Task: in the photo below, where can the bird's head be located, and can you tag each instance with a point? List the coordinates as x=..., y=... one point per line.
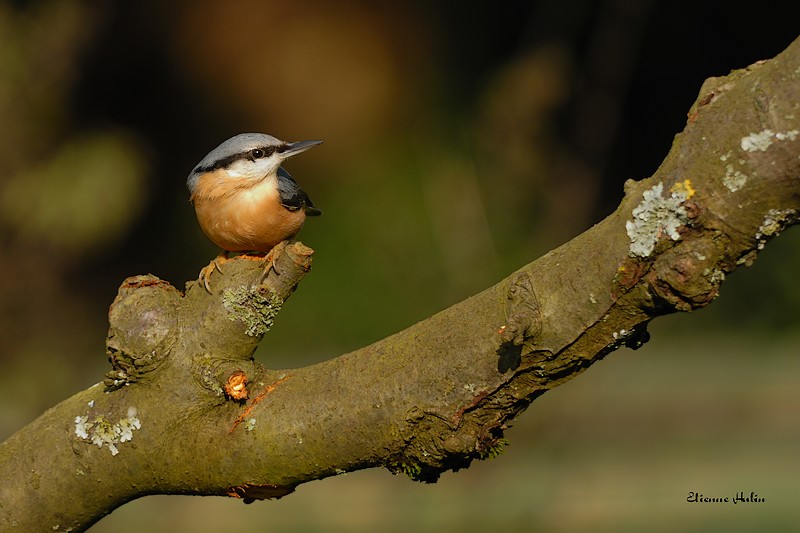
x=247, y=156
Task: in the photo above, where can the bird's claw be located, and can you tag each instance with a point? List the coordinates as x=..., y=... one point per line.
x=269, y=259
x=205, y=273
x=268, y=263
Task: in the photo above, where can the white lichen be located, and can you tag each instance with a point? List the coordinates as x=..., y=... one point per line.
x=101, y=432
x=759, y=142
x=734, y=179
x=657, y=216
x=82, y=427
x=775, y=222
x=251, y=424
x=715, y=275
x=787, y=135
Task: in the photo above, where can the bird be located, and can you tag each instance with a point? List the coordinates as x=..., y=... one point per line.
x=245, y=201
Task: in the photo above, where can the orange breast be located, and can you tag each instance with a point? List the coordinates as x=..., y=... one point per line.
x=239, y=216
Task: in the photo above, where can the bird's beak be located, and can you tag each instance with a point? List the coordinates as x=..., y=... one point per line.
x=298, y=147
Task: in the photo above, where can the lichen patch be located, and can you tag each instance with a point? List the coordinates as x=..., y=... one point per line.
x=761, y=141
x=657, y=216
x=734, y=179
x=102, y=432
x=773, y=224
x=255, y=308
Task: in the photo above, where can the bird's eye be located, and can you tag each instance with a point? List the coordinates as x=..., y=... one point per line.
x=257, y=153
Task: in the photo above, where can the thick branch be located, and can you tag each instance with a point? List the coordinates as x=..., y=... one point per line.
x=439, y=394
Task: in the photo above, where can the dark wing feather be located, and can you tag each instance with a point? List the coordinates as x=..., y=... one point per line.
x=292, y=196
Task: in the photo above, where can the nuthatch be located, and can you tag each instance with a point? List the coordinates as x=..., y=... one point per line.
x=244, y=200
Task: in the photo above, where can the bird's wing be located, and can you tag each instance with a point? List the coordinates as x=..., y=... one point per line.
x=292, y=196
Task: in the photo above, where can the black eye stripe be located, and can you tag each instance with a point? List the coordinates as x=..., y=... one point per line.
x=266, y=151
x=224, y=162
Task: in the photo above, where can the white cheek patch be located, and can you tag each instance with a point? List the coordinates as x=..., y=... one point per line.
x=245, y=168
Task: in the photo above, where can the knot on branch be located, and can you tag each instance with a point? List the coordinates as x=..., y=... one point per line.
x=688, y=276
x=142, y=328
x=236, y=386
x=437, y=446
x=682, y=278
x=523, y=321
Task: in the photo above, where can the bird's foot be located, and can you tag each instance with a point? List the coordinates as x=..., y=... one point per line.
x=269, y=259
x=205, y=274
x=267, y=262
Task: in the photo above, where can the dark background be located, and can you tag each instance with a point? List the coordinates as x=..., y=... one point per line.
x=461, y=142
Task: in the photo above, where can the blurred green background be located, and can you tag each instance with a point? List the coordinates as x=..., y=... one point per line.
x=462, y=140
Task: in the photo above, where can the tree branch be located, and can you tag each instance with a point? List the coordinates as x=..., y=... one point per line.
x=187, y=410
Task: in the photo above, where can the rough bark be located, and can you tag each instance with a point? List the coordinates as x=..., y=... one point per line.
x=187, y=410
